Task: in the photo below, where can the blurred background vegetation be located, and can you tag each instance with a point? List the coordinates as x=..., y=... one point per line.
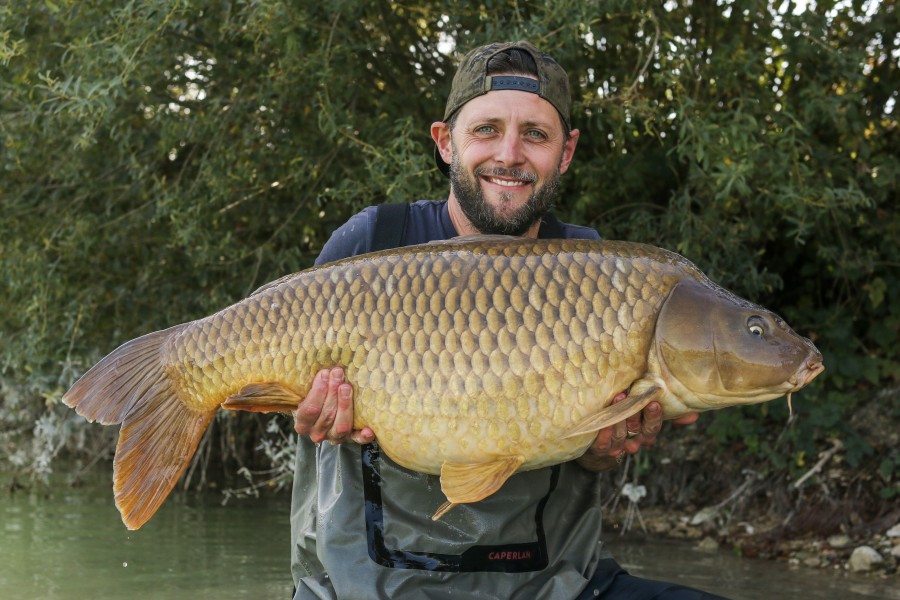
x=161, y=159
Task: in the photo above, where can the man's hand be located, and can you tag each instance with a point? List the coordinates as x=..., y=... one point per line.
x=327, y=411
x=628, y=436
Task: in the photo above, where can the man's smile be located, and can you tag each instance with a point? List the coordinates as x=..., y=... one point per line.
x=505, y=182
x=506, y=178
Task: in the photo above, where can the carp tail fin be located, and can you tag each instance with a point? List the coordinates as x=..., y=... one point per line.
x=156, y=445
x=159, y=433
x=112, y=388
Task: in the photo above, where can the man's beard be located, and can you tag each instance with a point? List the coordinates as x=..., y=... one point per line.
x=482, y=215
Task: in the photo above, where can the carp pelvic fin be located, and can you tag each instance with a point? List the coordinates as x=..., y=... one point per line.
x=635, y=402
x=264, y=397
x=471, y=482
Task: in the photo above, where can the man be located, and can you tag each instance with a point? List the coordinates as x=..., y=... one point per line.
x=361, y=525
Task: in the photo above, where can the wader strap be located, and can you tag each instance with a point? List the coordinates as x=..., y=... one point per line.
x=390, y=226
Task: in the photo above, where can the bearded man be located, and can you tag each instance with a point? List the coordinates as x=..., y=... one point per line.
x=361, y=524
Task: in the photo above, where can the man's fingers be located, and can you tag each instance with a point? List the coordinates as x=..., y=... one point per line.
x=651, y=421
x=320, y=431
x=343, y=420
x=615, y=441
x=686, y=419
x=635, y=432
x=308, y=412
x=634, y=425
x=619, y=434
x=363, y=436
x=645, y=434
x=327, y=411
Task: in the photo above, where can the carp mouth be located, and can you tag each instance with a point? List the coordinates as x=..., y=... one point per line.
x=807, y=373
x=801, y=379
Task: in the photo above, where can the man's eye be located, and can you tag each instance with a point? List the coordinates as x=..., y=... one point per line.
x=538, y=135
x=485, y=129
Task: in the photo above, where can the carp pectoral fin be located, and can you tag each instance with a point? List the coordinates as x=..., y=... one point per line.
x=471, y=482
x=263, y=397
x=155, y=446
x=614, y=413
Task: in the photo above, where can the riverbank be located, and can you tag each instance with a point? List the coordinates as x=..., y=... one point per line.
x=876, y=554
x=831, y=513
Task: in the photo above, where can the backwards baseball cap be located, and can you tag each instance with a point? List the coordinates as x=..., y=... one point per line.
x=472, y=80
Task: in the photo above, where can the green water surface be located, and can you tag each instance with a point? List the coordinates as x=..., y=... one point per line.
x=69, y=543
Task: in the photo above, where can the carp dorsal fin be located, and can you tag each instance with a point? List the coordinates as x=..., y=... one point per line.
x=264, y=397
x=271, y=284
x=475, y=237
x=639, y=397
x=471, y=482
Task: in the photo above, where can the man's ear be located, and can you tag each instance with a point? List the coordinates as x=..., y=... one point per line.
x=568, y=151
x=440, y=133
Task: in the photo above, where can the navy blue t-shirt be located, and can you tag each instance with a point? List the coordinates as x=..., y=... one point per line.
x=428, y=220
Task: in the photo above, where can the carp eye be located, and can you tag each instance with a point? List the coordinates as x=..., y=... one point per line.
x=756, y=326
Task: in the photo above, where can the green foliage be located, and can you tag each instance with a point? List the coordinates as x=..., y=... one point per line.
x=161, y=159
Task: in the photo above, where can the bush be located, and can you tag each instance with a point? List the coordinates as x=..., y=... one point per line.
x=162, y=159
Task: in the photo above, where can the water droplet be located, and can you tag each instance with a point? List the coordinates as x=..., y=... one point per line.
x=124, y=564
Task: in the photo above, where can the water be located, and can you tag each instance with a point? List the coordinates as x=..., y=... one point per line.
x=724, y=573
x=69, y=543
x=72, y=545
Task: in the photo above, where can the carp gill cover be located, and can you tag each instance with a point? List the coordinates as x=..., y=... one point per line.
x=472, y=358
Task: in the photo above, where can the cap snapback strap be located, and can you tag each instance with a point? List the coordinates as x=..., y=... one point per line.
x=512, y=82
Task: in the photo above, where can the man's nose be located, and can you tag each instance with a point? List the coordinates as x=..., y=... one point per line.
x=509, y=150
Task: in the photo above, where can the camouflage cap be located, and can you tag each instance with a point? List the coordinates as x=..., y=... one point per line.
x=472, y=80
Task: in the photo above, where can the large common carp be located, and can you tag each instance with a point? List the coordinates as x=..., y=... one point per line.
x=473, y=358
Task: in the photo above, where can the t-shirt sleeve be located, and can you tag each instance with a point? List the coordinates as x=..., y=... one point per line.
x=350, y=239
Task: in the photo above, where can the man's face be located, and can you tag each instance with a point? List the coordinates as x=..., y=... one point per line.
x=508, y=151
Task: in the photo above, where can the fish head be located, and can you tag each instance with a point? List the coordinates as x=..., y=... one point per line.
x=716, y=349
